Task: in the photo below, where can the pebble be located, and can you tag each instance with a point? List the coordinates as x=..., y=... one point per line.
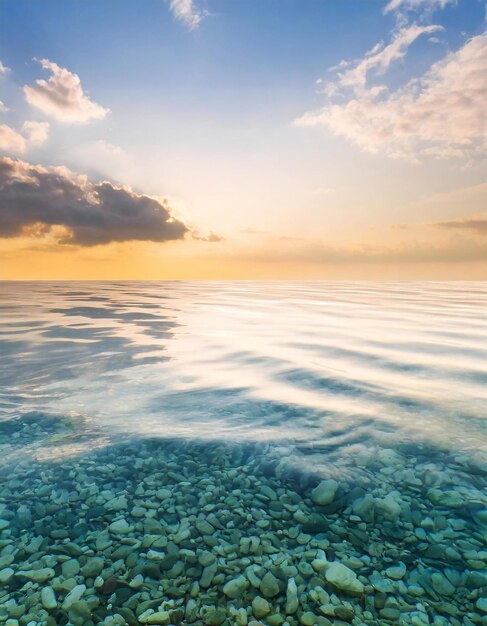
x=269, y=585
x=121, y=527
x=481, y=604
x=236, y=588
x=73, y=596
x=156, y=555
x=292, y=602
x=396, y=572
x=6, y=575
x=48, y=598
x=215, y=617
x=343, y=577
x=70, y=568
x=442, y=585
x=383, y=585
x=92, y=567
x=37, y=575
x=159, y=617
x=137, y=581
x=79, y=613
x=325, y=492
x=260, y=607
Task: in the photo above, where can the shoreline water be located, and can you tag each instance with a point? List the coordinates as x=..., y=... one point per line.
x=209, y=533
x=162, y=447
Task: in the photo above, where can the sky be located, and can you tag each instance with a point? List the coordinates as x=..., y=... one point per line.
x=243, y=139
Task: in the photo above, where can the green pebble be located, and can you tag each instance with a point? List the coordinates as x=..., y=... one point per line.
x=260, y=607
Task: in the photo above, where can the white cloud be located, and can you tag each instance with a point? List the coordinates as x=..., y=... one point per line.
x=3, y=108
x=426, y=6
x=11, y=140
x=441, y=114
x=36, y=132
x=187, y=12
x=103, y=157
x=62, y=97
x=4, y=70
x=381, y=57
x=33, y=134
x=107, y=148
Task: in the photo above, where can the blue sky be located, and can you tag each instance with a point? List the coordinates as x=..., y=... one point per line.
x=225, y=118
x=247, y=58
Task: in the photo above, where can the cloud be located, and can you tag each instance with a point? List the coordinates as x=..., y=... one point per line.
x=33, y=134
x=442, y=114
x=62, y=97
x=35, y=199
x=187, y=12
x=424, y=6
x=211, y=237
x=11, y=140
x=107, y=148
x=4, y=70
x=380, y=58
x=457, y=250
x=476, y=224
x=36, y=132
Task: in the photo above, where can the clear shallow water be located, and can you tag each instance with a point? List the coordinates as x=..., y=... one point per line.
x=332, y=367
x=213, y=454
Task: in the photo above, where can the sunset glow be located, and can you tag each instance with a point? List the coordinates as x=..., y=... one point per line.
x=223, y=144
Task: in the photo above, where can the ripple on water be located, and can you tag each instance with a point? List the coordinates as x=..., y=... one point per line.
x=252, y=361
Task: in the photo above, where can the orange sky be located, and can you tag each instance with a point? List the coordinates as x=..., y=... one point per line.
x=317, y=152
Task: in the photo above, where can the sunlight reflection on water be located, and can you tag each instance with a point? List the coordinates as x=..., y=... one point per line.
x=323, y=365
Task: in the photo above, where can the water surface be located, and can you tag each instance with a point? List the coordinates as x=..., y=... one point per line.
x=247, y=453
x=319, y=365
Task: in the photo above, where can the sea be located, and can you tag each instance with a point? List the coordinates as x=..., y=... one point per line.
x=244, y=452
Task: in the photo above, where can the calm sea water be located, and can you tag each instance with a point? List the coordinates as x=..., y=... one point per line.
x=211, y=454
x=327, y=368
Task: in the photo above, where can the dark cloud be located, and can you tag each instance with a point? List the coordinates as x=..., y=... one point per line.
x=476, y=224
x=37, y=198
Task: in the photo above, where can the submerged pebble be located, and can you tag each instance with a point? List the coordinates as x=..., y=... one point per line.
x=325, y=492
x=48, y=598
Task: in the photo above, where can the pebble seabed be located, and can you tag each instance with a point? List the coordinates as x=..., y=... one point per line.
x=165, y=533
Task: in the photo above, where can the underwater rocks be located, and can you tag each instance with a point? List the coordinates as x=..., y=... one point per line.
x=269, y=585
x=260, y=607
x=396, y=572
x=481, y=604
x=236, y=588
x=48, y=598
x=6, y=575
x=120, y=527
x=343, y=578
x=37, y=575
x=324, y=493
x=172, y=533
x=292, y=600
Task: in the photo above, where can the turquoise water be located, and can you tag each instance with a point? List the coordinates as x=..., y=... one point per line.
x=222, y=453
